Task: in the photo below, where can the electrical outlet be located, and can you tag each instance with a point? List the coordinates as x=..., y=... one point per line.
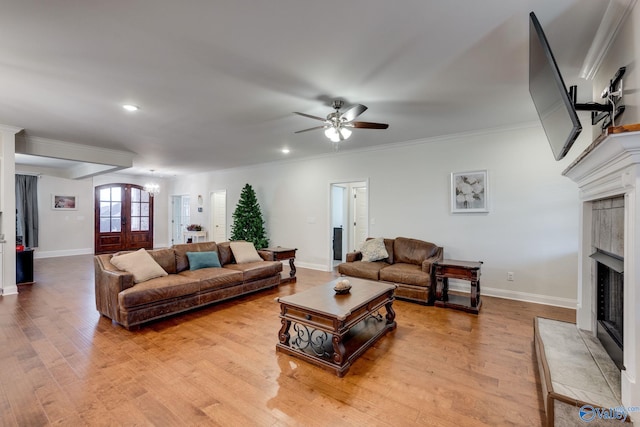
x=510, y=276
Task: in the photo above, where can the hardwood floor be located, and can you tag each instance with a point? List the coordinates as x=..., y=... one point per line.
x=62, y=363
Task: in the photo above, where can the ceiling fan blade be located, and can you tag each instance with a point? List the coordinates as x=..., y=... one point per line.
x=369, y=125
x=353, y=112
x=310, y=116
x=313, y=128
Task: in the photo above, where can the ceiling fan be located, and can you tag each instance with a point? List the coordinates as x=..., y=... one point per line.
x=338, y=125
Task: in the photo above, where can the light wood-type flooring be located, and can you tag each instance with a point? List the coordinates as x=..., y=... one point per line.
x=62, y=363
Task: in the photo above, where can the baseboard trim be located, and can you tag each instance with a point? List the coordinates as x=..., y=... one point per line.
x=9, y=290
x=54, y=254
x=518, y=296
x=320, y=267
x=70, y=252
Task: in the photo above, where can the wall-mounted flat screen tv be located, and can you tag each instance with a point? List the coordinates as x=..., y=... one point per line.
x=555, y=108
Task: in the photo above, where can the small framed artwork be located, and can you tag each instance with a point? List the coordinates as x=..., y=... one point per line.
x=469, y=192
x=64, y=203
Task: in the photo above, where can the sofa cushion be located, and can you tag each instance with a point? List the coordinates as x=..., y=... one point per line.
x=158, y=289
x=256, y=270
x=388, y=244
x=224, y=253
x=374, y=250
x=411, y=274
x=182, y=262
x=244, y=252
x=166, y=258
x=365, y=270
x=140, y=264
x=213, y=278
x=412, y=251
x=198, y=260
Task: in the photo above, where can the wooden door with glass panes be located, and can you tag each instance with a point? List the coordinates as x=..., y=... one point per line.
x=123, y=218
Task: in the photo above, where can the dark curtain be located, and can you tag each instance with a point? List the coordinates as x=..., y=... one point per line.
x=27, y=209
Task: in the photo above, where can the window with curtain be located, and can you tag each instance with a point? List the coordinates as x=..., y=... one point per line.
x=27, y=209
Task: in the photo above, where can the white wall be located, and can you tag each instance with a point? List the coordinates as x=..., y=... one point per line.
x=7, y=205
x=531, y=228
x=64, y=233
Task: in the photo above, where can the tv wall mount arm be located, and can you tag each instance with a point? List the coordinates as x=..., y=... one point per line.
x=609, y=112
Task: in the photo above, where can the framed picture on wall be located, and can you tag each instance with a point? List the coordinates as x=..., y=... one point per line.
x=469, y=192
x=64, y=203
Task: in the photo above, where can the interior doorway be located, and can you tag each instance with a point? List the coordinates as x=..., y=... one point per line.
x=180, y=217
x=218, y=206
x=349, y=218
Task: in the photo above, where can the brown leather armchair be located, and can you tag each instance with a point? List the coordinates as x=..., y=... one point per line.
x=409, y=266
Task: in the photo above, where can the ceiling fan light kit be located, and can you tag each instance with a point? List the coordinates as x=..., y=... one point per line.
x=337, y=134
x=337, y=125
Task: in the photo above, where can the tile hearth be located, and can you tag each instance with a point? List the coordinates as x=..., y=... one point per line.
x=575, y=369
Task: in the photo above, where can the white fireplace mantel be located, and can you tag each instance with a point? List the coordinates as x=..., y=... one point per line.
x=611, y=167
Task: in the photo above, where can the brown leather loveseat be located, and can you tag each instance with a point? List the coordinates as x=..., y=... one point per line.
x=130, y=304
x=409, y=265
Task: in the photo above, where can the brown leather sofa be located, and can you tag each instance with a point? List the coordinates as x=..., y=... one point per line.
x=409, y=266
x=129, y=304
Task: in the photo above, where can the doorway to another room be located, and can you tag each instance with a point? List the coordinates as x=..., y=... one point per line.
x=349, y=218
x=218, y=206
x=180, y=218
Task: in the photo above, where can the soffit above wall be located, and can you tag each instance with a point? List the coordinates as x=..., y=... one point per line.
x=68, y=160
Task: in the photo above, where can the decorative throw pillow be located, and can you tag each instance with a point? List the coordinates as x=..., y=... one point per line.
x=140, y=264
x=198, y=260
x=245, y=252
x=374, y=250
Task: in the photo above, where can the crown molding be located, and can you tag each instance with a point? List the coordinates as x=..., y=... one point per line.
x=612, y=20
x=10, y=129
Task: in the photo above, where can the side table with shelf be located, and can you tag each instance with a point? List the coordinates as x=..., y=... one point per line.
x=195, y=236
x=463, y=270
x=279, y=253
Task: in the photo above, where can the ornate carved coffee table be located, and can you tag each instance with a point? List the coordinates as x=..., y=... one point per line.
x=331, y=330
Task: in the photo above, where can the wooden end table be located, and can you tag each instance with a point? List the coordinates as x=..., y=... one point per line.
x=331, y=330
x=463, y=270
x=279, y=253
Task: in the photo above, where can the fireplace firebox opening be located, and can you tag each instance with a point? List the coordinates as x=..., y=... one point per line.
x=610, y=304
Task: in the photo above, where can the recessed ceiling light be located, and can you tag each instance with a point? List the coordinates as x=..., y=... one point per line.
x=285, y=151
x=130, y=107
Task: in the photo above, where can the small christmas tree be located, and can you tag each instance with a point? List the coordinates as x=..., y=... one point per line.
x=247, y=220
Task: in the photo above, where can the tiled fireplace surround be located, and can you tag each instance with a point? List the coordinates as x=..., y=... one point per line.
x=611, y=167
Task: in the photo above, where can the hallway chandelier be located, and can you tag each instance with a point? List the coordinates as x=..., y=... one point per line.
x=152, y=187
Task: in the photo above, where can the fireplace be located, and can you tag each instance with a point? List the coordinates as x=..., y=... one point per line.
x=610, y=304
x=608, y=173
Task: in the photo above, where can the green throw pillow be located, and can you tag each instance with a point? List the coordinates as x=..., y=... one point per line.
x=198, y=260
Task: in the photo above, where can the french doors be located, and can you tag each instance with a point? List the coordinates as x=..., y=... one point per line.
x=123, y=218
